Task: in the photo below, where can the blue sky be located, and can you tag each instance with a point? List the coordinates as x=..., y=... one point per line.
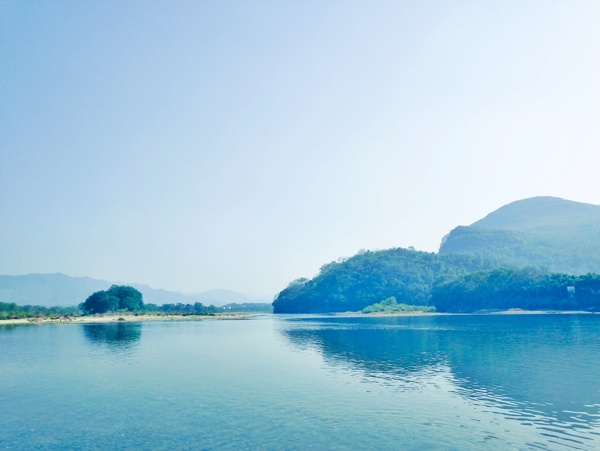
x=194, y=145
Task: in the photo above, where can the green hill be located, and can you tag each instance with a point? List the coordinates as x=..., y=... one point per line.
x=542, y=234
x=546, y=232
x=370, y=277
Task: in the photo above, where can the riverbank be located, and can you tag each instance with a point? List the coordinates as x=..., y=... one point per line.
x=124, y=318
x=514, y=311
x=132, y=318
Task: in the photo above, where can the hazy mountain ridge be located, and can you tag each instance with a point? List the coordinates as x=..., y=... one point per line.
x=59, y=289
x=547, y=232
x=542, y=214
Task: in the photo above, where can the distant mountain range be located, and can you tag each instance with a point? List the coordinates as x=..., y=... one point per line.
x=546, y=232
x=59, y=289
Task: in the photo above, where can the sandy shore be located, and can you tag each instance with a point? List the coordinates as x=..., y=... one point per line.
x=131, y=318
x=124, y=318
x=418, y=313
x=499, y=312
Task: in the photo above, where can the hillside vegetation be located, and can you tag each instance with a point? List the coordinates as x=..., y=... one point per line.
x=527, y=289
x=478, y=267
x=545, y=232
x=371, y=277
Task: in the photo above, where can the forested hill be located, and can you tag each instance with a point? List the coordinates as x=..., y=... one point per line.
x=369, y=277
x=545, y=232
x=481, y=262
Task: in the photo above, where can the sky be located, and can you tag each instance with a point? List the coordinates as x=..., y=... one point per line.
x=194, y=145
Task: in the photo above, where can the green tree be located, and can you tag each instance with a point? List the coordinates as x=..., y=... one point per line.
x=525, y=288
x=117, y=297
x=129, y=298
x=100, y=302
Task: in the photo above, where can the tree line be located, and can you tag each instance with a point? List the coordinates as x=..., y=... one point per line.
x=526, y=288
x=10, y=310
x=127, y=299
x=122, y=298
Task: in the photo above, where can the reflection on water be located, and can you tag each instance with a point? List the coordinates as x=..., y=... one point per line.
x=7, y=327
x=117, y=336
x=379, y=349
x=539, y=370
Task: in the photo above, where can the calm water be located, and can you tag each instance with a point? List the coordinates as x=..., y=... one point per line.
x=298, y=382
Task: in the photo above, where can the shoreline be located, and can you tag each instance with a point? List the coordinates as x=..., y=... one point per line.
x=132, y=318
x=124, y=318
x=480, y=313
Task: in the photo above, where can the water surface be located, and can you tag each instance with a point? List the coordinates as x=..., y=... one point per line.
x=298, y=382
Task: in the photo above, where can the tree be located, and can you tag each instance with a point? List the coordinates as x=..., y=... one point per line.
x=117, y=297
x=129, y=298
x=100, y=302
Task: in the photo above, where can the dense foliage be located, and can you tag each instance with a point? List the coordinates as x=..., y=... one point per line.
x=554, y=252
x=117, y=297
x=390, y=305
x=372, y=276
x=181, y=309
x=10, y=310
x=528, y=289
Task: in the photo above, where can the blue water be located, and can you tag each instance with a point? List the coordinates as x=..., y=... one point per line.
x=304, y=382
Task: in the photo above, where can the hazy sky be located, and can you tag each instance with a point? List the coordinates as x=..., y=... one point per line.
x=193, y=145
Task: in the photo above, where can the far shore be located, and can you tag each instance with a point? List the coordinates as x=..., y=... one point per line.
x=124, y=318
x=133, y=318
x=513, y=311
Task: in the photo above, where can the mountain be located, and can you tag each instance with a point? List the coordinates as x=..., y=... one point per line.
x=551, y=234
x=546, y=232
x=48, y=289
x=59, y=289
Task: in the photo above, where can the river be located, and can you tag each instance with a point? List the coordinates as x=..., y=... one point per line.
x=304, y=382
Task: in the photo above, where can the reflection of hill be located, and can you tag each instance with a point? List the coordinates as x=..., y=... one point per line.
x=389, y=345
x=542, y=366
x=119, y=336
x=548, y=362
